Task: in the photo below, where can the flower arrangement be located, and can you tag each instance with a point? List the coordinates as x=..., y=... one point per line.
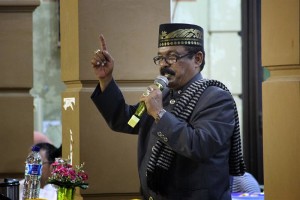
x=64, y=175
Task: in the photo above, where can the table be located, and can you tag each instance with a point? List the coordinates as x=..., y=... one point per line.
x=247, y=196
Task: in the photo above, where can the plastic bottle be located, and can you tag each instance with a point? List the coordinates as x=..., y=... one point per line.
x=33, y=172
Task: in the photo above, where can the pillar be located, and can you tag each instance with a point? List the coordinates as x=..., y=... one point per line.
x=16, y=74
x=131, y=31
x=281, y=99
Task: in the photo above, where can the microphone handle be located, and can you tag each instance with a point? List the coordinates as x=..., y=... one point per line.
x=140, y=110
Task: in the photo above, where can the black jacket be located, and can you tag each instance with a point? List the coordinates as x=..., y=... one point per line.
x=202, y=145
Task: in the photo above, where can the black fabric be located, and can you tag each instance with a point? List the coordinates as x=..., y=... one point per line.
x=162, y=155
x=173, y=34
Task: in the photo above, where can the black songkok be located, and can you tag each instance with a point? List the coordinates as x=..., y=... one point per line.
x=175, y=34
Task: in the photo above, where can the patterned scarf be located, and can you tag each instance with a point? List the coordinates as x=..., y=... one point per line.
x=162, y=155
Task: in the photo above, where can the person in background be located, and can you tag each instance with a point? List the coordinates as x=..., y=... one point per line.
x=189, y=140
x=39, y=137
x=48, y=154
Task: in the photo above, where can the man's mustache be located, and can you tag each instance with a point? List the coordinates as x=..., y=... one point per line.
x=166, y=70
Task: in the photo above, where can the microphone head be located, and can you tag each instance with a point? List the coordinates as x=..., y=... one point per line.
x=161, y=80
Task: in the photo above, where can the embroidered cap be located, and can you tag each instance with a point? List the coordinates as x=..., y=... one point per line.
x=174, y=34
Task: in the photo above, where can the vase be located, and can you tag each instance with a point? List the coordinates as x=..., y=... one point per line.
x=65, y=193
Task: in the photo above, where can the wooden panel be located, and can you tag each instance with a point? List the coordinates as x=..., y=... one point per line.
x=280, y=32
x=281, y=114
x=16, y=50
x=16, y=130
x=16, y=77
x=18, y=5
x=69, y=40
x=131, y=30
x=112, y=156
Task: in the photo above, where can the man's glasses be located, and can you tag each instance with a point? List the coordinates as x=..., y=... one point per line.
x=171, y=59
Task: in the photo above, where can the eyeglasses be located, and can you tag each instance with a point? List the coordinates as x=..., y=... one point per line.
x=171, y=59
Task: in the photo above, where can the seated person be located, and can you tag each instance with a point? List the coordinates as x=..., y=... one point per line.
x=39, y=137
x=244, y=184
x=48, y=154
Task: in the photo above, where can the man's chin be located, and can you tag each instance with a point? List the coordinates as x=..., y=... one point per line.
x=171, y=83
x=168, y=76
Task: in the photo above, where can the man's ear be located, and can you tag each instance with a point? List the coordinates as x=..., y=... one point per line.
x=199, y=58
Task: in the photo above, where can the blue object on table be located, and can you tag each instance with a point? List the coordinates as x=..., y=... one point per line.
x=247, y=196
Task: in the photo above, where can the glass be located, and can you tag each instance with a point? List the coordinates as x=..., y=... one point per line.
x=171, y=59
x=64, y=193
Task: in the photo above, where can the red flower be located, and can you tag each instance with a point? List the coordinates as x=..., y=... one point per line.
x=63, y=174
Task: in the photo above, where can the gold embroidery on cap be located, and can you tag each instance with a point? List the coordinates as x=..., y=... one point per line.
x=182, y=33
x=181, y=37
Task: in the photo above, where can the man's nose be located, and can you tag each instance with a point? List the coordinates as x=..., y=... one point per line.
x=163, y=63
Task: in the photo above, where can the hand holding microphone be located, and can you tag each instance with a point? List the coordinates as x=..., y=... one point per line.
x=160, y=82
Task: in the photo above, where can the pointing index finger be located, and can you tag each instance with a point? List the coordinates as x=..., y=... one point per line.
x=102, y=43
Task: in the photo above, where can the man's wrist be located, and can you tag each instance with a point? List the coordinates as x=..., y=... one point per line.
x=104, y=82
x=160, y=114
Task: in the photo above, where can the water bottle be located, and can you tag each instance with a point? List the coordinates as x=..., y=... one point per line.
x=33, y=172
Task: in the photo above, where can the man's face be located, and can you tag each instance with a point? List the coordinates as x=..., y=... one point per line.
x=46, y=170
x=183, y=70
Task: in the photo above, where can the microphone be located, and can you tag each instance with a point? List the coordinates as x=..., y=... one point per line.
x=161, y=82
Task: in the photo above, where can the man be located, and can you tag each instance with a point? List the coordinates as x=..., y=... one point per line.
x=48, y=153
x=189, y=138
x=39, y=137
